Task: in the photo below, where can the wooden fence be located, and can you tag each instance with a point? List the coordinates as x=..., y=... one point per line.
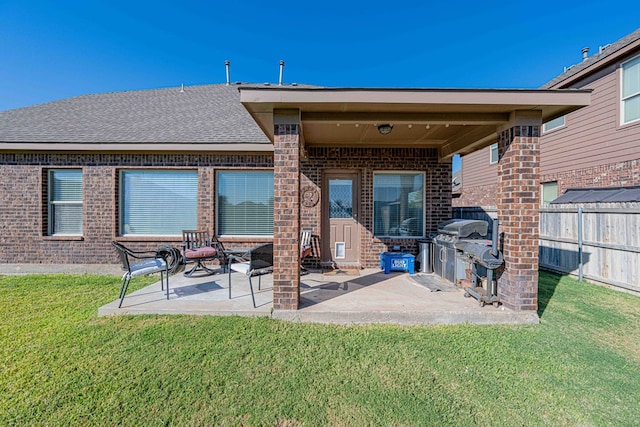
x=596, y=241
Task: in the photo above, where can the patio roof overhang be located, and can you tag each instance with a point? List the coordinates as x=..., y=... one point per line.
x=455, y=121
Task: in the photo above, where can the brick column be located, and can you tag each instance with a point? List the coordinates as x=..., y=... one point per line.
x=518, y=203
x=286, y=210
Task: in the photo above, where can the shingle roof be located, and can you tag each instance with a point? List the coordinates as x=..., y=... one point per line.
x=608, y=51
x=199, y=114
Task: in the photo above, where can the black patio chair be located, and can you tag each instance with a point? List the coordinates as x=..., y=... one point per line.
x=141, y=263
x=255, y=262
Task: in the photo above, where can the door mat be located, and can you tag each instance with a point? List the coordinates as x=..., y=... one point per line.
x=433, y=283
x=342, y=272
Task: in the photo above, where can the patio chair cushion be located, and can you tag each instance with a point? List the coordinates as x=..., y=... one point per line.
x=240, y=267
x=147, y=266
x=204, y=252
x=305, y=251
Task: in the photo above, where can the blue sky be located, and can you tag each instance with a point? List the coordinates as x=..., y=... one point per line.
x=58, y=49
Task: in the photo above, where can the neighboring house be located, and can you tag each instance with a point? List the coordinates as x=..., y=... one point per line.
x=365, y=169
x=597, y=146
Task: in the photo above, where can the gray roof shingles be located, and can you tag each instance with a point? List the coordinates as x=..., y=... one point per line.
x=608, y=51
x=199, y=114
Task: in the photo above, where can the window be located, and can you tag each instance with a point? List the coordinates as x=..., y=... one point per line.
x=245, y=203
x=553, y=124
x=158, y=203
x=493, y=153
x=549, y=192
x=398, y=204
x=631, y=90
x=65, y=202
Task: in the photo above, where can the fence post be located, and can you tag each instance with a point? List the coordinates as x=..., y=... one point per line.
x=580, y=244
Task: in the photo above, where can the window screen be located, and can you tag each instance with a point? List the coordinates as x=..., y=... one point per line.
x=631, y=90
x=65, y=202
x=553, y=124
x=398, y=200
x=493, y=153
x=549, y=192
x=245, y=203
x=158, y=203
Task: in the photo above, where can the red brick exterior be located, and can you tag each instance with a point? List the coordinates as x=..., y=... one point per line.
x=518, y=202
x=611, y=175
x=367, y=161
x=286, y=217
x=621, y=174
x=23, y=203
x=480, y=196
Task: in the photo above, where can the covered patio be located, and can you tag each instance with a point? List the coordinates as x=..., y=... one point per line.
x=352, y=134
x=370, y=297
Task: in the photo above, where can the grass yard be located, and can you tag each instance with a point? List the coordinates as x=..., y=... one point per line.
x=62, y=365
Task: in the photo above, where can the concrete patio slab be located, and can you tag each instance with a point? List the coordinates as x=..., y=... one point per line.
x=371, y=297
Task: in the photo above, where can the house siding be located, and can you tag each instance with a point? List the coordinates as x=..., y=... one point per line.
x=591, y=150
x=479, y=180
x=367, y=161
x=23, y=202
x=592, y=136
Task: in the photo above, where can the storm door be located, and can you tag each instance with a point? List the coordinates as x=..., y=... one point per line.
x=340, y=212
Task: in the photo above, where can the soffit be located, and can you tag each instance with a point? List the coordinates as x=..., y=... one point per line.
x=456, y=121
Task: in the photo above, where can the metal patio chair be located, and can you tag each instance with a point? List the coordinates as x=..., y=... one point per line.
x=255, y=262
x=141, y=263
x=197, y=246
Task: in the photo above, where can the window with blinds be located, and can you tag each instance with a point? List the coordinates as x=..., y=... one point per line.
x=65, y=202
x=631, y=90
x=398, y=204
x=158, y=202
x=245, y=203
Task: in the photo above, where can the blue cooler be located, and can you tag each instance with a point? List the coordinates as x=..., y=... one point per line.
x=397, y=261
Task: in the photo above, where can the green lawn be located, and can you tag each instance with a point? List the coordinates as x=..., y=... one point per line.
x=61, y=365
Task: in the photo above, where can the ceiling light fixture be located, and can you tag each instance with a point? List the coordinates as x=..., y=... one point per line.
x=385, y=129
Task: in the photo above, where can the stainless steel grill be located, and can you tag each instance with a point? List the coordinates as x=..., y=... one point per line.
x=460, y=246
x=449, y=233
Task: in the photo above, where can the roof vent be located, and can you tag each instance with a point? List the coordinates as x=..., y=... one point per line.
x=585, y=53
x=281, y=68
x=226, y=66
x=602, y=48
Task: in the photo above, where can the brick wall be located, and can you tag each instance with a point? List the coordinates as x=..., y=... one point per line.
x=620, y=174
x=286, y=217
x=23, y=198
x=518, y=202
x=367, y=161
x=23, y=202
x=481, y=196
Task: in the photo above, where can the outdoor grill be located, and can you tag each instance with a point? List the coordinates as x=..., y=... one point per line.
x=460, y=246
x=450, y=233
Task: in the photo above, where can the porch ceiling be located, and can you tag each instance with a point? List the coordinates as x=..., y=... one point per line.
x=455, y=121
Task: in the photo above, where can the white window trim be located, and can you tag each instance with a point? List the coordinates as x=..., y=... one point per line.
x=217, y=218
x=424, y=201
x=623, y=99
x=563, y=125
x=491, y=161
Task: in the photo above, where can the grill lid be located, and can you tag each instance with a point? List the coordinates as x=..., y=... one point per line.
x=462, y=228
